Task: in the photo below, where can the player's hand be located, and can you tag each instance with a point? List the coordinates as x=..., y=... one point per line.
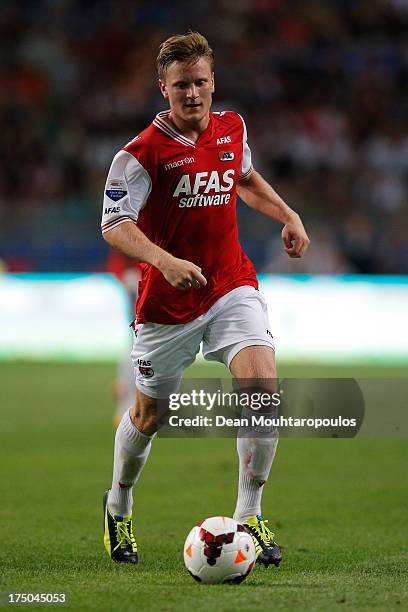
x=294, y=237
x=183, y=274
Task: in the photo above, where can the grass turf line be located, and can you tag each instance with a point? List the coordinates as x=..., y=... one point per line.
x=338, y=507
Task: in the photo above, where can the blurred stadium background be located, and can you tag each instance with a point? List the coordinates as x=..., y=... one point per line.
x=322, y=86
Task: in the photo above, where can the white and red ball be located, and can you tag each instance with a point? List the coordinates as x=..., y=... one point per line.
x=218, y=550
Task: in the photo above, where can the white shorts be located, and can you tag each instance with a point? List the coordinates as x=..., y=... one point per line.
x=161, y=353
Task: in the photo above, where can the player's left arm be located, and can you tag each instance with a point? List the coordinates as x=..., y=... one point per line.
x=259, y=195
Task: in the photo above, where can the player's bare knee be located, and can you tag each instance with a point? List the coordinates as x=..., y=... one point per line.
x=262, y=369
x=144, y=414
x=145, y=422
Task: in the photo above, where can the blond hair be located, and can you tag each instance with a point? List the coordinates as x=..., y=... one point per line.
x=187, y=47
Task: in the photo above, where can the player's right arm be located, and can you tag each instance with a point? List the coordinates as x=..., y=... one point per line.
x=129, y=239
x=126, y=192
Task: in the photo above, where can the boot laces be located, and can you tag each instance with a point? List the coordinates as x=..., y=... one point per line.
x=124, y=535
x=266, y=534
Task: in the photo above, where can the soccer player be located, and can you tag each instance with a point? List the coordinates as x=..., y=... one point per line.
x=170, y=202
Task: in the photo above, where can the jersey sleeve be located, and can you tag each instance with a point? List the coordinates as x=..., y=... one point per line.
x=246, y=163
x=126, y=191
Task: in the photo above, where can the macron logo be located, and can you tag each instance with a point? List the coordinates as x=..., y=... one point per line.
x=223, y=140
x=179, y=162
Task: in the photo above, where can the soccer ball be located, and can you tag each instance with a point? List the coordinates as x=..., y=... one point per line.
x=219, y=549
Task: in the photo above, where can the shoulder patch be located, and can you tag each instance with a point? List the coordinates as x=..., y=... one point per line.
x=116, y=189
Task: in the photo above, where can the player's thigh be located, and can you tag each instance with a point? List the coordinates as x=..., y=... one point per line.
x=254, y=362
x=161, y=353
x=241, y=323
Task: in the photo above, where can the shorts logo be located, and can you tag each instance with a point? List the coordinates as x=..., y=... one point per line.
x=116, y=189
x=144, y=368
x=226, y=155
x=146, y=372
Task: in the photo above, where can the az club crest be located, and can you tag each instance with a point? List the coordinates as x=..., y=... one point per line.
x=226, y=155
x=146, y=372
x=145, y=368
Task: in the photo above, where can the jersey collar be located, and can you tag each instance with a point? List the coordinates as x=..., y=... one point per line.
x=163, y=123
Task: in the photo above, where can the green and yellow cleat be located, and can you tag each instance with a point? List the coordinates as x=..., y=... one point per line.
x=118, y=537
x=267, y=550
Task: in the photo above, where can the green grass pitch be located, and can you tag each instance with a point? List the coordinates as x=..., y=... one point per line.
x=338, y=506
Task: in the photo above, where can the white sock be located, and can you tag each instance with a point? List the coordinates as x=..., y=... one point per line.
x=131, y=451
x=255, y=461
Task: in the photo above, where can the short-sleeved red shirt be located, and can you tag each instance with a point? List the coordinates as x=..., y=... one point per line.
x=182, y=195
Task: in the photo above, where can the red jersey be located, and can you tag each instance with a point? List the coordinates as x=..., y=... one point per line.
x=182, y=195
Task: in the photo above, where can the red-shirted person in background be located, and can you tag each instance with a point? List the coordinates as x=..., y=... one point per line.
x=127, y=271
x=170, y=202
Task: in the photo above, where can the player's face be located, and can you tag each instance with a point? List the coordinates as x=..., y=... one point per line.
x=189, y=89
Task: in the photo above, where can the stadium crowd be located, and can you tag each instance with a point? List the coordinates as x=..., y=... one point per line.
x=321, y=84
